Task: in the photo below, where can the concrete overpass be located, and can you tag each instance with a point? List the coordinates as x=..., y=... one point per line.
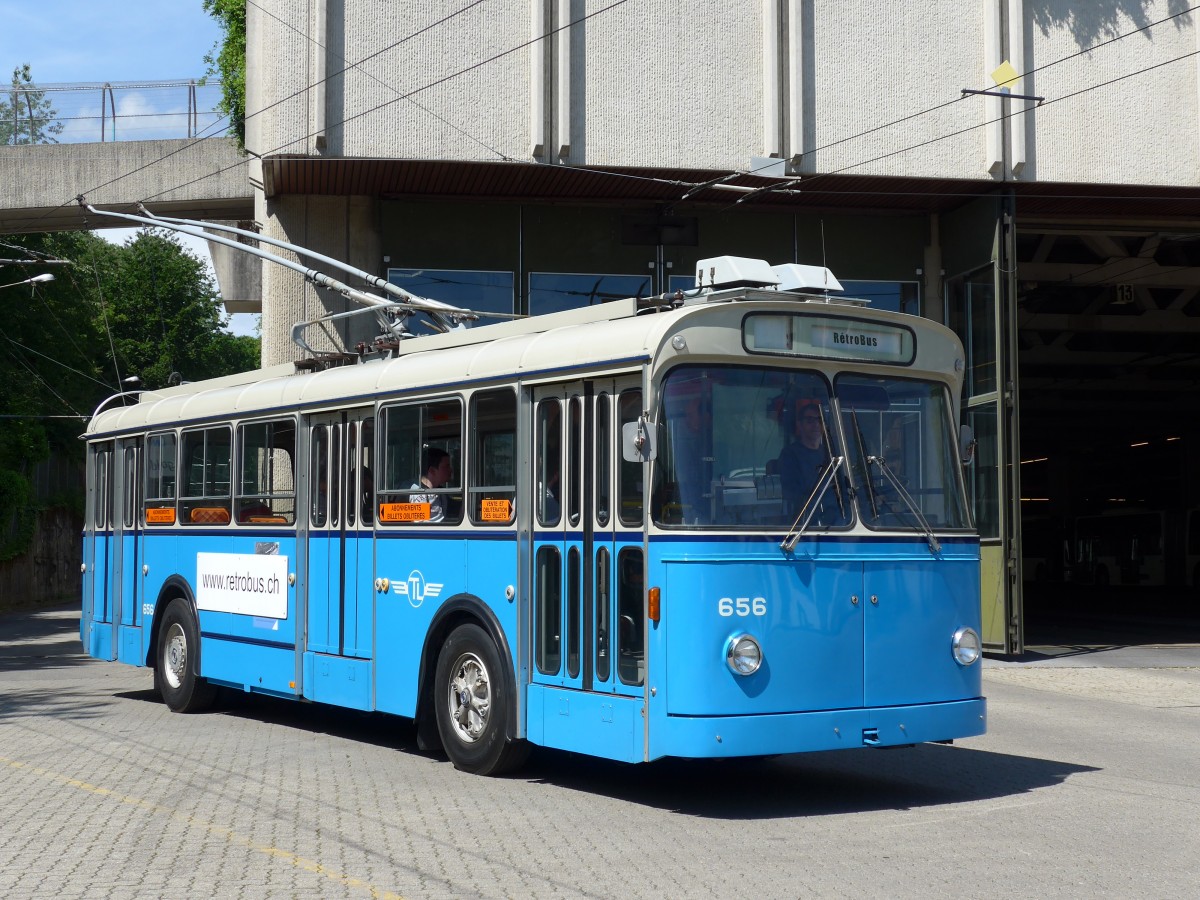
x=195, y=178
x=203, y=179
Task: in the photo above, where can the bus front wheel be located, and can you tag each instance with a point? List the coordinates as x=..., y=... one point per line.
x=472, y=705
x=175, y=671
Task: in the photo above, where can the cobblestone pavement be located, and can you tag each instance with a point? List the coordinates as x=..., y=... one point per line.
x=1087, y=785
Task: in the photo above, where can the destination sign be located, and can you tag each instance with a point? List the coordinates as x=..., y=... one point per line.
x=828, y=337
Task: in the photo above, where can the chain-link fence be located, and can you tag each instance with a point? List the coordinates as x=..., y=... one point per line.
x=110, y=111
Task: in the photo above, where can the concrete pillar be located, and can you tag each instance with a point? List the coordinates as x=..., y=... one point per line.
x=345, y=228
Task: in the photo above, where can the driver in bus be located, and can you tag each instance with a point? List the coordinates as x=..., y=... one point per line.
x=802, y=462
x=438, y=472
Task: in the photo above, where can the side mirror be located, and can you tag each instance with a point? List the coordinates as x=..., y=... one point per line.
x=637, y=441
x=966, y=445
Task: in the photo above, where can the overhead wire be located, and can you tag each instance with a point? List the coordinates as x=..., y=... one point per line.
x=425, y=87
x=57, y=362
x=626, y=175
x=1024, y=74
x=357, y=66
x=202, y=136
x=104, y=315
x=1001, y=118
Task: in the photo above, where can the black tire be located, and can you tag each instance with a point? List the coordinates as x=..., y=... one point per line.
x=472, y=705
x=175, y=671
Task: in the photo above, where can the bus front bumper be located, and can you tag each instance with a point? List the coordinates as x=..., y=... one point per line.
x=842, y=729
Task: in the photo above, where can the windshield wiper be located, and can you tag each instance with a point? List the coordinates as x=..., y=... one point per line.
x=837, y=488
x=934, y=544
x=828, y=476
x=866, y=464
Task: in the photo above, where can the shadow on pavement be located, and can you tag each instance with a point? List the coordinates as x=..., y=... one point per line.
x=50, y=702
x=813, y=784
x=40, y=639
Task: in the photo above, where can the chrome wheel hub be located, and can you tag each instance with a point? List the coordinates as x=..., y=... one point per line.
x=469, y=697
x=175, y=656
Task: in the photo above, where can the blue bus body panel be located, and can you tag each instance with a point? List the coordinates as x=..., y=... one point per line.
x=324, y=585
x=338, y=680
x=129, y=632
x=254, y=653
x=605, y=725
x=339, y=585
x=100, y=641
x=424, y=569
x=812, y=646
x=855, y=633
x=160, y=556
x=918, y=606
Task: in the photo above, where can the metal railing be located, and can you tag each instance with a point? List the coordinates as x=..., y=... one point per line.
x=111, y=111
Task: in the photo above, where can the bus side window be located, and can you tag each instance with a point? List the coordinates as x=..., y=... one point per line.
x=266, y=488
x=102, y=496
x=366, y=481
x=604, y=453
x=410, y=432
x=492, y=487
x=603, y=614
x=630, y=473
x=130, y=501
x=549, y=610
x=631, y=617
x=160, y=479
x=319, y=477
x=548, y=462
x=206, y=494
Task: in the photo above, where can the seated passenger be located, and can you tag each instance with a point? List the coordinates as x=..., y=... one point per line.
x=438, y=472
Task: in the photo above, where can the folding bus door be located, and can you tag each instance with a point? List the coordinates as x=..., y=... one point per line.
x=339, y=610
x=97, y=625
x=127, y=541
x=588, y=616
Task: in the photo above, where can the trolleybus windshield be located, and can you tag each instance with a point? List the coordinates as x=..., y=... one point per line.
x=747, y=447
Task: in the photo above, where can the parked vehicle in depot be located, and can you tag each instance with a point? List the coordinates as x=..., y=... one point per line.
x=1122, y=547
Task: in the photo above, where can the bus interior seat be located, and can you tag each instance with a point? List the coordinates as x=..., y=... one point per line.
x=209, y=515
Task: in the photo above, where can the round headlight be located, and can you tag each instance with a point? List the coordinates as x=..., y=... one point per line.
x=966, y=646
x=744, y=655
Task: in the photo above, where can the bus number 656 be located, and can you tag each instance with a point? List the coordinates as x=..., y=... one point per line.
x=742, y=606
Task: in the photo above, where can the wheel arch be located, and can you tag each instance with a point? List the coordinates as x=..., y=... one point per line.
x=462, y=609
x=174, y=588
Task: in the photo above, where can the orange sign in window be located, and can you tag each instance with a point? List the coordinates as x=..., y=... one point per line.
x=160, y=515
x=495, y=510
x=403, y=512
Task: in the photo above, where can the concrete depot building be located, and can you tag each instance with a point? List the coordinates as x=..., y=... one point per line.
x=533, y=155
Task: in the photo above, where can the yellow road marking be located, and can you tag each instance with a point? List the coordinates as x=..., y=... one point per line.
x=232, y=837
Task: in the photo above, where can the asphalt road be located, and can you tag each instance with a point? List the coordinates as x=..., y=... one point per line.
x=1087, y=785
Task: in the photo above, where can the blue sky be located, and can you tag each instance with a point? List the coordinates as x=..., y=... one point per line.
x=103, y=40
x=69, y=41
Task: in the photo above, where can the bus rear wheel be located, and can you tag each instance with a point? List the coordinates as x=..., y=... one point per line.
x=175, y=675
x=472, y=705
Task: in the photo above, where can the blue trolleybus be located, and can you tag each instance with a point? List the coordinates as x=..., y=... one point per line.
x=727, y=523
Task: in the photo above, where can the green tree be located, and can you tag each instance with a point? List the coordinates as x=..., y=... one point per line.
x=48, y=371
x=227, y=59
x=147, y=308
x=26, y=116
x=166, y=316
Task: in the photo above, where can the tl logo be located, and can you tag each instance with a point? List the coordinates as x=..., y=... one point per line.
x=417, y=588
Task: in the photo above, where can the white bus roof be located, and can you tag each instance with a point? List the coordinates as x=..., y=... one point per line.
x=606, y=338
